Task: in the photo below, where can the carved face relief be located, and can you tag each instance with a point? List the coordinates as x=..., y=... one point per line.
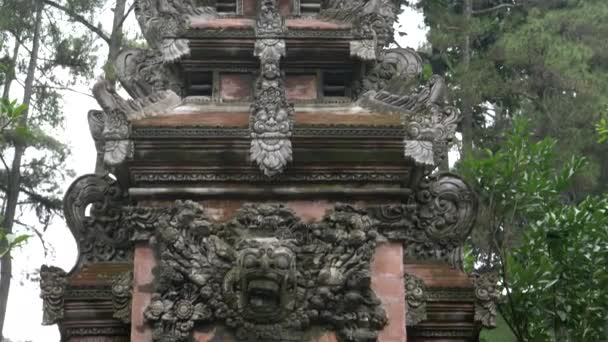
x=265, y=275
x=266, y=279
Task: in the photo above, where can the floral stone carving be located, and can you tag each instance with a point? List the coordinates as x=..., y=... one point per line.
x=264, y=274
x=122, y=286
x=487, y=294
x=416, y=297
x=53, y=281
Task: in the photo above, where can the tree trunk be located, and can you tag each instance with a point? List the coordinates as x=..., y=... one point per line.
x=115, y=39
x=467, y=110
x=12, y=194
x=10, y=73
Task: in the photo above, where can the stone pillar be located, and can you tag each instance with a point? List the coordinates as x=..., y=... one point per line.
x=387, y=282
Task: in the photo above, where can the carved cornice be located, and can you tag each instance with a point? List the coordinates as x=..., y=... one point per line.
x=148, y=176
x=300, y=131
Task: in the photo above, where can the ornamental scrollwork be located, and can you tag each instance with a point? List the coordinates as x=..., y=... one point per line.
x=53, y=282
x=416, y=298
x=264, y=274
x=434, y=222
x=99, y=234
x=487, y=295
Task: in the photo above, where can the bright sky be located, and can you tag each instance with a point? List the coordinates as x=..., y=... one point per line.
x=25, y=306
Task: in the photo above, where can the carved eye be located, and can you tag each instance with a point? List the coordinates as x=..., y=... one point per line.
x=250, y=261
x=282, y=262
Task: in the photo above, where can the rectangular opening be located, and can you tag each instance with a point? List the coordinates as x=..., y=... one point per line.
x=200, y=84
x=310, y=7
x=226, y=6
x=336, y=84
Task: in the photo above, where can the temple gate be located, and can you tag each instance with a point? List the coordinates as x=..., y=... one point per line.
x=272, y=179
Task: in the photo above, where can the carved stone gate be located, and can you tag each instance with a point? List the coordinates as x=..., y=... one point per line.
x=273, y=179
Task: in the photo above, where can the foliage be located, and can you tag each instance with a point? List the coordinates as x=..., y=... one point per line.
x=10, y=112
x=546, y=247
x=602, y=130
x=545, y=60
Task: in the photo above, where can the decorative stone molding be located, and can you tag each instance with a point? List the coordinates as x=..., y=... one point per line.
x=435, y=222
x=372, y=22
x=487, y=294
x=53, y=281
x=265, y=274
x=271, y=123
x=416, y=297
x=118, y=114
x=99, y=234
x=393, y=86
x=122, y=286
x=161, y=21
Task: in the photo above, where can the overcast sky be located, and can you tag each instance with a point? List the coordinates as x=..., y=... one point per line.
x=25, y=306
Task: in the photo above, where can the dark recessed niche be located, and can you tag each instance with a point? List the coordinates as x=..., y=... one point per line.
x=337, y=84
x=226, y=6
x=310, y=7
x=200, y=84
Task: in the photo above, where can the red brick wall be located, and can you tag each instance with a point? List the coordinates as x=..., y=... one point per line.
x=388, y=283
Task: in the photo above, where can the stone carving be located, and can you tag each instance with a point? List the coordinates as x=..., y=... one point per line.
x=271, y=123
x=100, y=236
x=143, y=73
x=264, y=274
x=121, y=296
x=161, y=21
x=487, y=294
x=434, y=222
x=96, y=120
x=393, y=86
x=53, y=281
x=373, y=22
x=398, y=65
x=119, y=112
x=416, y=297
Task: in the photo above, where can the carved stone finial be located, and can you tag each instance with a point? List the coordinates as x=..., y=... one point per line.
x=487, y=294
x=271, y=122
x=53, y=281
x=122, y=286
x=416, y=297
